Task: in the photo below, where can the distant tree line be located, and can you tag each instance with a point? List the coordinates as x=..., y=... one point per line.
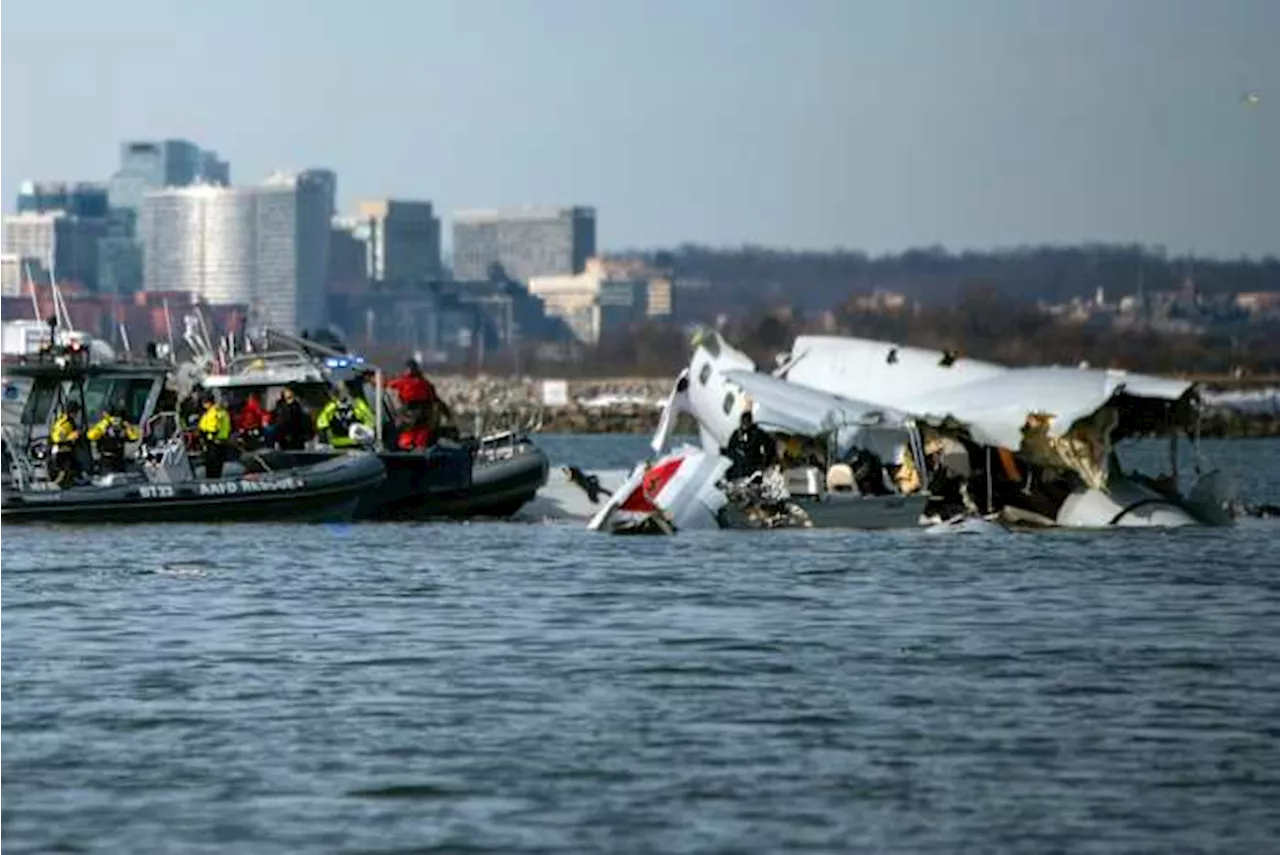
x=982, y=304
x=749, y=279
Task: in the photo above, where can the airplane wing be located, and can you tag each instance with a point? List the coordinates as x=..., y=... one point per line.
x=804, y=411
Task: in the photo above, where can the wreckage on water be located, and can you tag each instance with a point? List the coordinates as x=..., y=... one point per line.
x=878, y=435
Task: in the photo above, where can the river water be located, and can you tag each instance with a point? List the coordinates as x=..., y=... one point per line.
x=537, y=688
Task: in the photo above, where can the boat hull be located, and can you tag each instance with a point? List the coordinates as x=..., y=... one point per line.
x=445, y=482
x=328, y=491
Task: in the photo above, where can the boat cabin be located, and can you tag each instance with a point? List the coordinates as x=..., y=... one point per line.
x=57, y=376
x=267, y=374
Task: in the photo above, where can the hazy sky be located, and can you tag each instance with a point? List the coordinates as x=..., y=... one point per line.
x=805, y=123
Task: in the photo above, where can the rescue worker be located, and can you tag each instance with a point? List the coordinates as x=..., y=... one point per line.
x=290, y=426
x=111, y=433
x=335, y=420
x=421, y=401
x=63, y=438
x=750, y=449
x=215, y=434
x=251, y=423
x=413, y=387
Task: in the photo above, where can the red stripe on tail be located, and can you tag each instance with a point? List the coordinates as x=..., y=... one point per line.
x=651, y=485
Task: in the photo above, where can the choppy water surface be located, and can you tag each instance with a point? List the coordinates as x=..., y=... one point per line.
x=535, y=688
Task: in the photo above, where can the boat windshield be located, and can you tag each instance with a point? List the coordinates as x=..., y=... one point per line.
x=312, y=395
x=100, y=394
x=40, y=403
x=103, y=393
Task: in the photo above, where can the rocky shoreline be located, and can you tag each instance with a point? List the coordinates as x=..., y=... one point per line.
x=633, y=406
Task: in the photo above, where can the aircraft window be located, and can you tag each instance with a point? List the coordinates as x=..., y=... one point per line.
x=728, y=403
x=705, y=374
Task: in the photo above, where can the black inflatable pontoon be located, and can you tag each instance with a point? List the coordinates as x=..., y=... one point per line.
x=326, y=491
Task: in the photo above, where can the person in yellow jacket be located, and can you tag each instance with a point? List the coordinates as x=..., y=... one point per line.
x=63, y=437
x=110, y=434
x=336, y=419
x=215, y=432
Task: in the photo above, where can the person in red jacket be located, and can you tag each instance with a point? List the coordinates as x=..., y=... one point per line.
x=423, y=408
x=250, y=422
x=412, y=387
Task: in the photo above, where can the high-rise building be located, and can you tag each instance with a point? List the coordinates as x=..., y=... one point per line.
x=120, y=255
x=402, y=239
x=81, y=198
x=348, y=257
x=11, y=275
x=147, y=165
x=265, y=246
x=525, y=242
x=69, y=242
x=213, y=170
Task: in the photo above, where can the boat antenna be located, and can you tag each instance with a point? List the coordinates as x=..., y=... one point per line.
x=59, y=308
x=124, y=337
x=204, y=329
x=168, y=324
x=31, y=283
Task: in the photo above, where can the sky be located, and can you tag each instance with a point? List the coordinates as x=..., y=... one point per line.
x=875, y=126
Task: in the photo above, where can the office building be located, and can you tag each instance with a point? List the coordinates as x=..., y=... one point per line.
x=11, y=275
x=266, y=247
x=402, y=239
x=524, y=242
x=120, y=255
x=66, y=242
x=81, y=199
x=348, y=258
x=606, y=295
x=147, y=165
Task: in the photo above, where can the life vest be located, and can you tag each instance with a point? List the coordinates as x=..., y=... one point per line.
x=413, y=390
x=252, y=417
x=64, y=433
x=215, y=424
x=344, y=416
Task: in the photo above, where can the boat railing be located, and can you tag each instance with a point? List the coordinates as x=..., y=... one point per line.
x=501, y=434
x=164, y=451
x=496, y=421
x=23, y=470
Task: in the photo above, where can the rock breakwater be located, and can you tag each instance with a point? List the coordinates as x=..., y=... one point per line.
x=624, y=405
x=634, y=405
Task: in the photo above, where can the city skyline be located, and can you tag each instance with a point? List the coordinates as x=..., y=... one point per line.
x=812, y=125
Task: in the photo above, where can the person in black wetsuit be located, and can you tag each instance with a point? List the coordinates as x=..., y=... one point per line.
x=750, y=449
x=290, y=425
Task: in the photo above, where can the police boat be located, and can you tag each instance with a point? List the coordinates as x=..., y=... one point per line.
x=153, y=479
x=491, y=474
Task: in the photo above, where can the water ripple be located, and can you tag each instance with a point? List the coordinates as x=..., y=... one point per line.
x=495, y=688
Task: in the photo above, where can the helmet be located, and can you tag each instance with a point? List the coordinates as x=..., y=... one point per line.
x=360, y=433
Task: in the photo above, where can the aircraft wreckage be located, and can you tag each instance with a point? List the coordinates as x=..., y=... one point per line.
x=875, y=435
